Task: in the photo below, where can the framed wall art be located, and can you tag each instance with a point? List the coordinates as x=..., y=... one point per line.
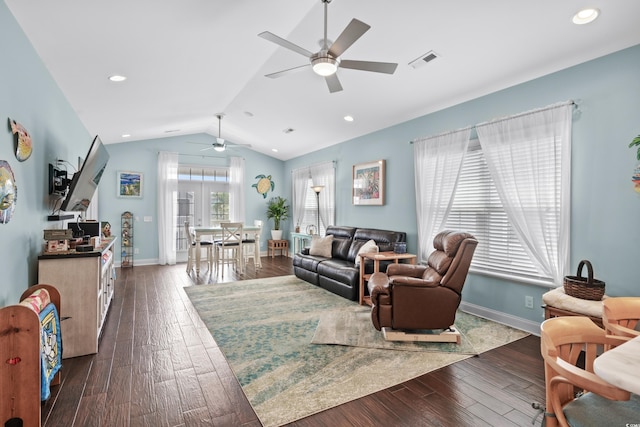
x=130, y=184
x=368, y=183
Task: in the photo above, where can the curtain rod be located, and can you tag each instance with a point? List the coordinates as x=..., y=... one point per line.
x=314, y=165
x=210, y=157
x=442, y=134
x=526, y=113
x=537, y=110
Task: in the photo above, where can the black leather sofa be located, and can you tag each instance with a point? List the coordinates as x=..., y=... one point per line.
x=339, y=273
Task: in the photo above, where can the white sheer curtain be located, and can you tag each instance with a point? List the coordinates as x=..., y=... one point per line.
x=167, y=205
x=300, y=185
x=438, y=161
x=529, y=157
x=236, y=189
x=324, y=174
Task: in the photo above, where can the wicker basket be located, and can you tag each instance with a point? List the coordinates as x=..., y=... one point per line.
x=579, y=287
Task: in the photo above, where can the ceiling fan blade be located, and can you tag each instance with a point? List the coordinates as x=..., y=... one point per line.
x=285, y=43
x=233, y=144
x=333, y=83
x=349, y=35
x=207, y=149
x=376, y=67
x=285, y=72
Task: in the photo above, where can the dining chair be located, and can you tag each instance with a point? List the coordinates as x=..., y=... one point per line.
x=563, y=341
x=229, y=247
x=192, y=247
x=620, y=316
x=249, y=246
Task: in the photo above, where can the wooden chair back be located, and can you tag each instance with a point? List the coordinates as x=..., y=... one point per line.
x=620, y=316
x=562, y=340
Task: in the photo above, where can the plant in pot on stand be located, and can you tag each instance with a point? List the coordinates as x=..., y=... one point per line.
x=278, y=210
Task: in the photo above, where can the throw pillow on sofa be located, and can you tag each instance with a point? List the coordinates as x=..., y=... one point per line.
x=321, y=246
x=369, y=246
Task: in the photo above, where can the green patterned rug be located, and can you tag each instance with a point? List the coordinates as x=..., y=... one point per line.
x=265, y=329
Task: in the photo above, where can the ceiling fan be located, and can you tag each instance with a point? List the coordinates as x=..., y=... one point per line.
x=220, y=144
x=327, y=61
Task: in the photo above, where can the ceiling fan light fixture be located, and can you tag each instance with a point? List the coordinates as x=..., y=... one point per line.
x=219, y=148
x=324, y=66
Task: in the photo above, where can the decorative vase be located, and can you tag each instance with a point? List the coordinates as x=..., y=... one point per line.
x=276, y=234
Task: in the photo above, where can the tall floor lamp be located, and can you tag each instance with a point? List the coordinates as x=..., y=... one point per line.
x=318, y=189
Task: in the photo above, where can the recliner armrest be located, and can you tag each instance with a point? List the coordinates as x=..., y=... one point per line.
x=412, y=281
x=410, y=270
x=378, y=280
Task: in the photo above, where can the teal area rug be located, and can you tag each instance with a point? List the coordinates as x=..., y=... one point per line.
x=354, y=328
x=265, y=328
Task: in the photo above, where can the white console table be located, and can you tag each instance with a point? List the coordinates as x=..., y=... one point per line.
x=86, y=282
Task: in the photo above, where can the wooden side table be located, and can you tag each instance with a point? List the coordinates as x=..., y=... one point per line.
x=278, y=245
x=377, y=257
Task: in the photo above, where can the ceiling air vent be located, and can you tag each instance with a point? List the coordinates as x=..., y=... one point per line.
x=423, y=59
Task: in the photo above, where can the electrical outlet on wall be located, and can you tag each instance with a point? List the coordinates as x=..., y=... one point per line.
x=528, y=302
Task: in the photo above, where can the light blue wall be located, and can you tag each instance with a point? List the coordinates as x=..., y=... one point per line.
x=141, y=156
x=605, y=209
x=30, y=96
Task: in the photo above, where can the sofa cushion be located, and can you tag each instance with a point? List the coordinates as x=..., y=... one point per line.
x=342, y=237
x=339, y=270
x=368, y=246
x=384, y=238
x=321, y=246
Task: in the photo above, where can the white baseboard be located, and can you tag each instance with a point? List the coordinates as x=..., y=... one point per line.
x=137, y=262
x=500, y=317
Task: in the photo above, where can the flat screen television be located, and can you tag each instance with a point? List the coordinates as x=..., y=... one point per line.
x=84, y=182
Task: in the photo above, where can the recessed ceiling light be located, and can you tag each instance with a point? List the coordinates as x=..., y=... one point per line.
x=117, y=78
x=275, y=150
x=585, y=16
x=348, y=118
x=126, y=135
x=171, y=130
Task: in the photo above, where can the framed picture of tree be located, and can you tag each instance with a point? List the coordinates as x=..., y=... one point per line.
x=368, y=183
x=130, y=184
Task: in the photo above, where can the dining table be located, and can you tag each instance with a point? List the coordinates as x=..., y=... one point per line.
x=216, y=234
x=620, y=366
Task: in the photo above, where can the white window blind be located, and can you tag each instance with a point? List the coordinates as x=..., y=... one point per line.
x=478, y=210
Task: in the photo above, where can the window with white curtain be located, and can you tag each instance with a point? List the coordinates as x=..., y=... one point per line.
x=310, y=216
x=203, y=198
x=307, y=209
x=478, y=210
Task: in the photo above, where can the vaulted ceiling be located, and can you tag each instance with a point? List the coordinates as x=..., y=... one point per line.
x=188, y=60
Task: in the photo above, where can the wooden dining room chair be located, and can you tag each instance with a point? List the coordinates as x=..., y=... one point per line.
x=575, y=395
x=191, y=248
x=620, y=316
x=249, y=249
x=229, y=247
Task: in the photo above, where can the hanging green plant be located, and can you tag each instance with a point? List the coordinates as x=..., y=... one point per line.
x=636, y=142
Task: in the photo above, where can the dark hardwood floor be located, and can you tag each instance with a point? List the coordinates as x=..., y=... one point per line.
x=159, y=366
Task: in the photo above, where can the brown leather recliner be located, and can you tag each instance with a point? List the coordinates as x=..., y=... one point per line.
x=414, y=297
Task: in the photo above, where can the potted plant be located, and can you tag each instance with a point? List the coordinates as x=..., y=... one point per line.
x=278, y=210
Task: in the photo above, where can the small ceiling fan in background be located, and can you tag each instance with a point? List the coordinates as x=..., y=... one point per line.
x=220, y=144
x=327, y=61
